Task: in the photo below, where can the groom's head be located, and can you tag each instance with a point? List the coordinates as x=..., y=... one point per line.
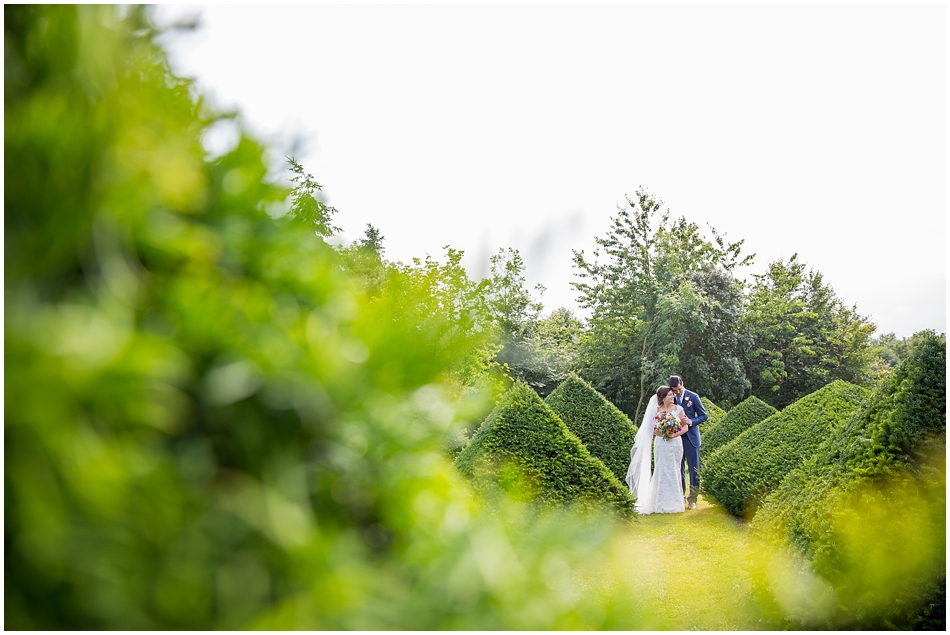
x=676, y=383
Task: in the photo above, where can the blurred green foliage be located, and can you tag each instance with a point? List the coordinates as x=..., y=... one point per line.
x=210, y=422
x=740, y=417
x=606, y=432
x=526, y=451
x=214, y=420
x=867, y=510
x=741, y=473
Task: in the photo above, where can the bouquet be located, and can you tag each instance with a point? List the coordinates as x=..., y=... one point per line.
x=666, y=424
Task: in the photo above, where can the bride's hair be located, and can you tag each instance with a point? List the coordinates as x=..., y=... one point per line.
x=662, y=392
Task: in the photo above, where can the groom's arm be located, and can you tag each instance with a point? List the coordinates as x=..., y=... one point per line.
x=700, y=412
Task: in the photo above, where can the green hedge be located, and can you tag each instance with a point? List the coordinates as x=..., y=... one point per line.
x=715, y=415
x=885, y=464
x=744, y=471
x=742, y=417
x=606, y=432
x=524, y=448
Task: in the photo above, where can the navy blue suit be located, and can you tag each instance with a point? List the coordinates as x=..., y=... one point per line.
x=691, y=440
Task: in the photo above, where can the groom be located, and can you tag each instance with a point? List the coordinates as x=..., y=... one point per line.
x=693, y=407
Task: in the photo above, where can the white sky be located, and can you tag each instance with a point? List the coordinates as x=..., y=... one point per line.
x=812, y=129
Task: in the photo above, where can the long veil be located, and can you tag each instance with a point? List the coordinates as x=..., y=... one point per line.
x=638, y=474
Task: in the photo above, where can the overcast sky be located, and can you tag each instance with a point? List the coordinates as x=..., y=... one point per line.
x=812, y=129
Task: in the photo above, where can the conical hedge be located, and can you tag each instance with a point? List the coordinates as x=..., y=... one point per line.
x=742, y=417
x=522, y=441
x=892, y=450
x=747, y=469
x=606, y=432
x=715, y=415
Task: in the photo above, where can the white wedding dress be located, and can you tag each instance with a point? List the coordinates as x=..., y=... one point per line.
x=659, y=492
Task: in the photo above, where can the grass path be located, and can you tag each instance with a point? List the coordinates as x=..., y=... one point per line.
x=695, y=569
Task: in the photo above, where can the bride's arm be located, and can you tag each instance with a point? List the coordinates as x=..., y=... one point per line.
x=684, y=424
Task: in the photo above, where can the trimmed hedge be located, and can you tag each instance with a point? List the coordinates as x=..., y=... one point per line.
x=524, y=448
x=888, y=459
x=715, y=415
x=741, y=473
x=742, y=417
x=606, y=432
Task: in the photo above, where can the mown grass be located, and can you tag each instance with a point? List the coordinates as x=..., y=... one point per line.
x=691, y=571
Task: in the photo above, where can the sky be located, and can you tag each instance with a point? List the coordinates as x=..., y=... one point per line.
x=808, y=129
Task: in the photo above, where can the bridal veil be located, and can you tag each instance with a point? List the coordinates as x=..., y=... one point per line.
x=641, y=463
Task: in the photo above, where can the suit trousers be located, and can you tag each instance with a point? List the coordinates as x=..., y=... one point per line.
x=690, y=457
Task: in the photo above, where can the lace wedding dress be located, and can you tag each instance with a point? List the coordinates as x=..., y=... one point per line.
x=659, y=492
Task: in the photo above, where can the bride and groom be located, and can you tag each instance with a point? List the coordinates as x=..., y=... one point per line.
x=673, y=414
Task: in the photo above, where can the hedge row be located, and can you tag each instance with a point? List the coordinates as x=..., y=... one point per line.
x=744, y=471
x=606, y=432
x=524, y=448
x=742, y=417
x=873, y=495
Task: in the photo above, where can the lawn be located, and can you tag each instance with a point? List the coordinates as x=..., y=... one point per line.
x=690, y=569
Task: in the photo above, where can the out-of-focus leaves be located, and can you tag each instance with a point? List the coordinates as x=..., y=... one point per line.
x=209, y=422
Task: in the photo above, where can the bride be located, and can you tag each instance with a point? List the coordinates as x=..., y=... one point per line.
x=661, y=492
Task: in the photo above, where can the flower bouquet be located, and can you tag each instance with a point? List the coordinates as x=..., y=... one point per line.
x=666, y=424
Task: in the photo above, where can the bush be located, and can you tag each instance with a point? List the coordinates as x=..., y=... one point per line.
x=744, y=471
x=605, y=431
x=526, y=450
x=715, y=415
x=742, y=417
x=867, y=509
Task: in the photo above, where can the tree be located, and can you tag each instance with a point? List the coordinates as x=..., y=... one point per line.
x=556, y=347
x=364, y=258
x=307, y=205
x=712, y=357
x=515, y=316
x=372, y=241
x=440, y=302
x=648, y=305
x=803, y=336
x=509, y=301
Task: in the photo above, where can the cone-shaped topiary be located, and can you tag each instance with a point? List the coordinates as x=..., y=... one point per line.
x=881, y=468
x=606, y=432
x=715, y=415
x=747, y=469
x=524, y=448
x=742, y=417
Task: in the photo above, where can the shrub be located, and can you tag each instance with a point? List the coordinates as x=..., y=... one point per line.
x=526, y=449
x=715, y=416
x=867, y=509
x=744, y=471
x=605, y=431
x=742, y=417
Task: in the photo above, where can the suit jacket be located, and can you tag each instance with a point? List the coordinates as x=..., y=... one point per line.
x=696, y=413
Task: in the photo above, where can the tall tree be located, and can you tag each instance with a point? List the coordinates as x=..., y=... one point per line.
x=510, y=302
x=712, y=357
x=647, y=305
x=803, y=335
